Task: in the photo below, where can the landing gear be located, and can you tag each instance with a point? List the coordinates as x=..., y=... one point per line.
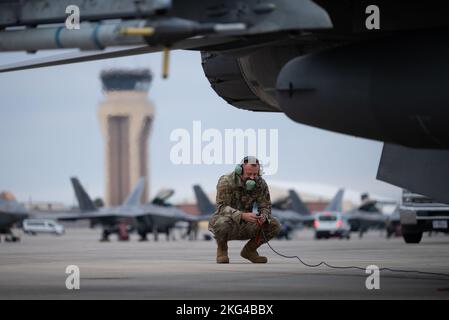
x=192, y=231
x=155, y=233
x=412, y=237
x=12, y=238
x=362, y=231
x=105, y=236
x=167, y=234
x=143, y=236
x=412, y=234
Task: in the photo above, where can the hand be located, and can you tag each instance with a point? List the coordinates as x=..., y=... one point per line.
x=261, y=220
x=250, y=217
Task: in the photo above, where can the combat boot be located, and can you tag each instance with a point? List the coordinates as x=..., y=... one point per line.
x=222, y=252
x=249, y=252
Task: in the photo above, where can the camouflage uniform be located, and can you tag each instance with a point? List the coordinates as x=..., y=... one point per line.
x=232, y=200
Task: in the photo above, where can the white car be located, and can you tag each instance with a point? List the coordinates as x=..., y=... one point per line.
x=331, y=224
x=35, y=226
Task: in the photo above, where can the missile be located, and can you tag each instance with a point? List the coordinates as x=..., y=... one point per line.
x=102, y=34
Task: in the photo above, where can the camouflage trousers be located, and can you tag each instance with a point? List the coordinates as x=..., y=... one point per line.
x=226, y=229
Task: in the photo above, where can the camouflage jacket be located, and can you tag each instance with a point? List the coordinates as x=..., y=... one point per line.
x=233, y=199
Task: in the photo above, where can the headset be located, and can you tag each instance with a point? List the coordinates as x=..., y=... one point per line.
x=250, y=184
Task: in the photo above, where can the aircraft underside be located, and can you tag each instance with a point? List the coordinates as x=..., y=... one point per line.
x=332, y=65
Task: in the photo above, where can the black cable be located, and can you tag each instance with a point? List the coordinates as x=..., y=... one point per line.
x=347, y=267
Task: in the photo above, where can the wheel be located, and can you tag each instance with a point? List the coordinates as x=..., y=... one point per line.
x=412, y=237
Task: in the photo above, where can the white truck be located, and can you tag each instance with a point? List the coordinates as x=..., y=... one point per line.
x=419, y=213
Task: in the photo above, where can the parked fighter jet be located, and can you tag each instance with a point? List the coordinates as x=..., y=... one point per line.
x=153, y=217
x=369, y=215
x=346, y=66
x=111, y=219
x=366, y=216
x=11, y=213
x=335, y=205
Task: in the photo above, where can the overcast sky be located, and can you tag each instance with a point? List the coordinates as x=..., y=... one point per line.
x=49, y=131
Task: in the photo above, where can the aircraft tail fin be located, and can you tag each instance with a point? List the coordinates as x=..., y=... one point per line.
x=336, y=203
x=204, y=203
x=135, y=195
x=297, y=204
x=84, y=201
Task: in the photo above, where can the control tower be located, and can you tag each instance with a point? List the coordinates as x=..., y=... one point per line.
x=125, y=116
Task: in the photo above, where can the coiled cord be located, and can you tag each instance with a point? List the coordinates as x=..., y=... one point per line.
x=347, y=267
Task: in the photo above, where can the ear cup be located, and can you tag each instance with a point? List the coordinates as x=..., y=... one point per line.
x=238, y=169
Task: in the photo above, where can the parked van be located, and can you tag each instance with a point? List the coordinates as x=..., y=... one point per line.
x=35, y=226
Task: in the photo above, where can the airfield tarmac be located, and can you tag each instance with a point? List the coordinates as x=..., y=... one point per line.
x=35, y=268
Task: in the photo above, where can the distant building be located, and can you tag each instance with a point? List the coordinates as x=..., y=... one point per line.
x=125, y=116
x=46, y=206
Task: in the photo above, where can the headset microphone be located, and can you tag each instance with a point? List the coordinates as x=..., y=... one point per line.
x=250, y=184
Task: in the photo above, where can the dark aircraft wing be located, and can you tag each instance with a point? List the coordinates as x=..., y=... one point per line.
x=422, y=171
x=119, y=214
x=14, y=216
x=11, y=211
x=366, y=218
x=88, y=216
x=297, y=204
x=205, y=205
x=84, y=200
x=130, y=213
